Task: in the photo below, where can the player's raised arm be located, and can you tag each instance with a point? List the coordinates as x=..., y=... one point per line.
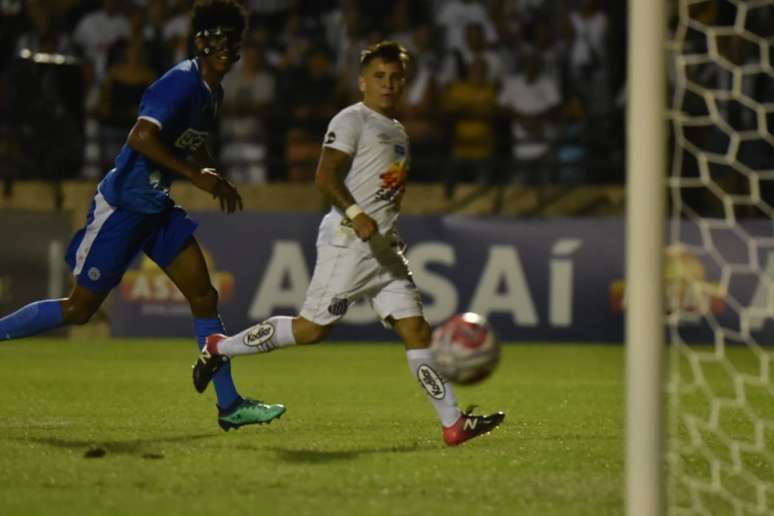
x=329, y=179
x=144, y=138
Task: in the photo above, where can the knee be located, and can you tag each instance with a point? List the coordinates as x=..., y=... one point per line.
x=415, y=332
x=76, y=313
x=204, y=300
x=421, y=332
x=307, y=332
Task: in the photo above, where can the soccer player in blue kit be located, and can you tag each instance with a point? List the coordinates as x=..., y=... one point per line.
x=132, y=210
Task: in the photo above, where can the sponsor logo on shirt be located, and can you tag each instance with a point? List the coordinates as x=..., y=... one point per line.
x=191, y=139
x=393, y=181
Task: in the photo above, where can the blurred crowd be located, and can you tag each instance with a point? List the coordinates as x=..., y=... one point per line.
x=499, y=90
x=722, y=93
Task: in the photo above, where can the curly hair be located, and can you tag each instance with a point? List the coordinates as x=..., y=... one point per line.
x=208, y=14
x=388, y=51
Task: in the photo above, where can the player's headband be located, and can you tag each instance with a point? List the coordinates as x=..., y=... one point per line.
x=220, y=38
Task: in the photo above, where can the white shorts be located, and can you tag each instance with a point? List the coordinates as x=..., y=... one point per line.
x=344, y=274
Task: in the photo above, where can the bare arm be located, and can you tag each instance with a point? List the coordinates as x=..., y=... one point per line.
x=202, y=157
x=329, y=179
x=144, y=138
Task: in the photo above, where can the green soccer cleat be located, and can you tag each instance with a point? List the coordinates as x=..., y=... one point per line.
x=249, y=412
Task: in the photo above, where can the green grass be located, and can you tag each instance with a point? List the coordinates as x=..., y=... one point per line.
x=359, y=436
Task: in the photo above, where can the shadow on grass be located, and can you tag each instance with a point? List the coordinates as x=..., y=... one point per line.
x=144, y=448
x=307, y=456
x=97, y=449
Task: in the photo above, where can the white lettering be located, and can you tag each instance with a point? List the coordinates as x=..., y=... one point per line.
x=287, y=261
x=441, y=290
x=140, y=289
x=560, y=289
x=762, y=304
x=161, y=290
x=504, y=266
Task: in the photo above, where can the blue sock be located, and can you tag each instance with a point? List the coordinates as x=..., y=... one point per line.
x=32, y=319
x=224, y=384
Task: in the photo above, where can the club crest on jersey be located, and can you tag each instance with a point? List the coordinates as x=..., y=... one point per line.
x=154, y=178
x=259, y=335
x=431, y=382
x=338, y=306
x=400, y=150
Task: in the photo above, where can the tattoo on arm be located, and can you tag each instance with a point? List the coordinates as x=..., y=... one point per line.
x=331, y=171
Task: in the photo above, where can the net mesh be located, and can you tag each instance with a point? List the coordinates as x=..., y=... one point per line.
x=720, y=258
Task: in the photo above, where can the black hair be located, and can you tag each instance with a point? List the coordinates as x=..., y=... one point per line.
x=208, y=14
x=387, y=51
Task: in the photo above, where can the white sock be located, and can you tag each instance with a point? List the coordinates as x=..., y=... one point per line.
x=439, y=392
x=275, y=332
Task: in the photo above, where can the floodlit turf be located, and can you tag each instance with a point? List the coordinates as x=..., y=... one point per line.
x=359, y=437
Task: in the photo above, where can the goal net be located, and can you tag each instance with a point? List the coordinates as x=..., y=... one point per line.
x=719, y=264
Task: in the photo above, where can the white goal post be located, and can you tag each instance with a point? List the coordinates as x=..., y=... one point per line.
x=700, y=439
x=645, y=225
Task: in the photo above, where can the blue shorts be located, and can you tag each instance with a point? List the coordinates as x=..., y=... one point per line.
x=100, y=253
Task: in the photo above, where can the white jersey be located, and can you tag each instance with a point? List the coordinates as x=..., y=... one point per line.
x=379, y=148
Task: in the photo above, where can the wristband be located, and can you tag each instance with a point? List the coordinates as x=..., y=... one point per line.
x=353, y=211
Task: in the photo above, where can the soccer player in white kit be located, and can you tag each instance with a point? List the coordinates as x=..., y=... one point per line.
x=362, y=169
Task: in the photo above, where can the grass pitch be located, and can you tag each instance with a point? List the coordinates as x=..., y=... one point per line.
x=115, y=427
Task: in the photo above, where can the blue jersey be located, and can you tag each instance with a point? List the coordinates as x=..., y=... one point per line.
x=184, y=108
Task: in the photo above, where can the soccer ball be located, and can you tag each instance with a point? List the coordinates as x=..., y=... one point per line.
x=465, y=348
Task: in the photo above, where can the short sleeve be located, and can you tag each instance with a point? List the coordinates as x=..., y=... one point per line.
x=165, y=98
x=344, y=132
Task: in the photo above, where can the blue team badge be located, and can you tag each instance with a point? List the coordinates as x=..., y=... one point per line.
x=400, y=150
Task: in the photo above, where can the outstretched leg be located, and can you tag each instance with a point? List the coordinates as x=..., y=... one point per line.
x=188, y=271
x=48, y=314
x=415, y=333
x=275, y=332
x=457, y=427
